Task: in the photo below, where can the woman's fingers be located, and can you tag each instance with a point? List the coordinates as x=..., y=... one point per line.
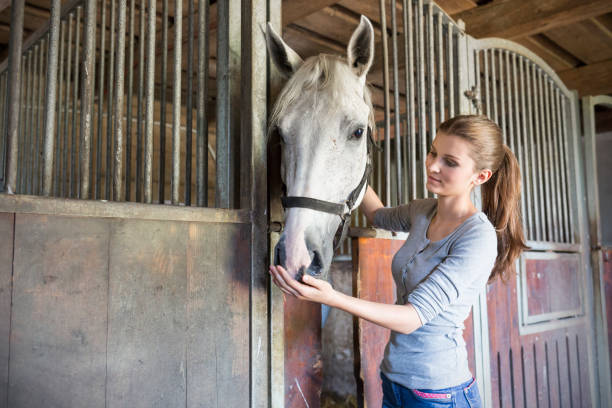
x=281, y=279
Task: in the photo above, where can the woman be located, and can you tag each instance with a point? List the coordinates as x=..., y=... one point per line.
x=451, y=253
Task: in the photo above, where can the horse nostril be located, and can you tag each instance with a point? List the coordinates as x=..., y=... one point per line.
x=279, y=254
x=316, y=266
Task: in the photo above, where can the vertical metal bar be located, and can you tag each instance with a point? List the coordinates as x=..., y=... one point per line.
x=550, y=205
x=162, y=103
x=519, y=141
x=35, y=117
x=176, y=100
x=411, y=118
x=89, y=54
x=556, y=162
x=385, y=51
x=150, y=102
x=540, y=143
x=3, y=92
x=527, y=163
x=563, y=163
x=27, y=139
x=109, y=171
x=22, y=122
x=98, y=192
x=14, y=97
x=396, y=103
x=431, y=78
x=533, y=147
x=485, y=54
x=26, y=123
x=75, y=101
x=502, y=96
x=422, y=96
x=550, y=163
x=566, y=174
x=510, y=124
x=139, y=108
x=189, y=123
x=130, y=98
x=494, y=86
x=440, y=52
x=451, y=71
x=202, y=120
x=57, y=158
x=118, y=104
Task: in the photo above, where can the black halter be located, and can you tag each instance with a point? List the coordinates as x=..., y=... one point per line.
x=343, y=210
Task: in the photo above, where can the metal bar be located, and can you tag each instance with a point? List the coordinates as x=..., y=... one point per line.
x=451, y=71
x=27, y=139
x=396, y=103
x=38, y=86
x=77, y=43
x=176, y=100
x=25, y=122
x=550, y=162
x=556, y=162
x=98, y=190
x=118, y=104
x=567, y=212
x=385, y=51
x=89, y=55
x=494, y=87
x=510, y=122
x=3, y=94
x=36, y=178
x=92, y=101
x=109, y=171
x=431, y=80
x=564, y=109
x=189, y=118
x=527, y=163
x=130, y=98
x=22, y=122
x=162, y=103
x=140, y=122
x=57, y=159
x=502, y=96
x=440, y=53
x=202, y=120
x=150, y=102
x=486, y=81
x=551, y=210
x=14, y=96
x=540, y=120
x=422, y=96
x=519, y=140
x=537, y=216
x=410, y=122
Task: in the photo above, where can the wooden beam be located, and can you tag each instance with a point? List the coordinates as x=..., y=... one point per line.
x=592, y=79
x=513, y=19
x=293, y=10
x=4, y=4
x=558, y=58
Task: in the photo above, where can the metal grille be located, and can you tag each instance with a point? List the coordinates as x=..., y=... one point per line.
x=533, y=112
x=131, y=118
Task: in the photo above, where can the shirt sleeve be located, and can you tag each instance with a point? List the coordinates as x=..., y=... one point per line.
x=466, y=268
x=393, y=219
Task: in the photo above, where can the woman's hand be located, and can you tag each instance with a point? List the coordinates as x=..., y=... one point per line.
x=313, y=289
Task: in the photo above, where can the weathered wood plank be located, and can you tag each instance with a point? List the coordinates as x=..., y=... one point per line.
x=59, y=320
x=6, y=270
x=147, y=314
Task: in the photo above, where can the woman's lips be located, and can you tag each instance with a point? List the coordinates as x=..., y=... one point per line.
x=433, y=179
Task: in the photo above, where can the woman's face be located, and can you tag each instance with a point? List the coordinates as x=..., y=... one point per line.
x=450, y=168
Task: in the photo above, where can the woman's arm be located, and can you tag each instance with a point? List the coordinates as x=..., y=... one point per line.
x=400, y=318
x=370, y=204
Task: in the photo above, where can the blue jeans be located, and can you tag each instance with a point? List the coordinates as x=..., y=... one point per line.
x=464, y=395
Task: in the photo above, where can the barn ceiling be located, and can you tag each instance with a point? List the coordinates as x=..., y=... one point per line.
x=573, y=36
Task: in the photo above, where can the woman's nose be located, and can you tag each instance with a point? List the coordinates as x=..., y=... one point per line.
x=433, y=166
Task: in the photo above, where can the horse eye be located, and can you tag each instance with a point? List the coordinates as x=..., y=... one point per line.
x=358, y=133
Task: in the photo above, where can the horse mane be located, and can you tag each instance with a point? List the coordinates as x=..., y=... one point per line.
x=318, y=72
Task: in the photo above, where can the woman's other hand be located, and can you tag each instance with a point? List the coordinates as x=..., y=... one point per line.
x=312, y=289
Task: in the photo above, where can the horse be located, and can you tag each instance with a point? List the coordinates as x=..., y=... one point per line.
x=325, y=119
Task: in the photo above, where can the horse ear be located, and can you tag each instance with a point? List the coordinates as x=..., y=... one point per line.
x=361, y=48
x=285, y=59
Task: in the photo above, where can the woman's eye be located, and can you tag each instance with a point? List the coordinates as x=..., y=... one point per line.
x=357, y=133
x=450, y=163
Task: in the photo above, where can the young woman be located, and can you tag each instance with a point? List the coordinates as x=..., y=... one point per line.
x=451, y=253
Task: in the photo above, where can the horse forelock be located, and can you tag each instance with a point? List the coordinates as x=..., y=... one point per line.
x=322, y=73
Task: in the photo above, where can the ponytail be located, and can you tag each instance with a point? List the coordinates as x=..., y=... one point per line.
x=500, y=202
x=501, y=193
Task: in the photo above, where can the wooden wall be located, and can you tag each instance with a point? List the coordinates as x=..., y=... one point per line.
x=123, y=312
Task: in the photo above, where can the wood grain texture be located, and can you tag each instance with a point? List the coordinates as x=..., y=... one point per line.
x=6, y=271
x=58, y=328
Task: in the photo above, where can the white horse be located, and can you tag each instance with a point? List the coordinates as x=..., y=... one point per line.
x=324, y=116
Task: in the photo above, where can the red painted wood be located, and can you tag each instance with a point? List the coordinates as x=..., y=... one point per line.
x=607, y=271
x=303, y=367
x=372, y=280
x=546, y=279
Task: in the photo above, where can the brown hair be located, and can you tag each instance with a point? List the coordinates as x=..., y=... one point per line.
x=501, y=193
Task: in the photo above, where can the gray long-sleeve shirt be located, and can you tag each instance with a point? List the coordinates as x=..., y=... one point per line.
x=441, y=279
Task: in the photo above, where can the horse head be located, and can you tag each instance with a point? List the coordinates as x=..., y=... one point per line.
x=324, y=118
